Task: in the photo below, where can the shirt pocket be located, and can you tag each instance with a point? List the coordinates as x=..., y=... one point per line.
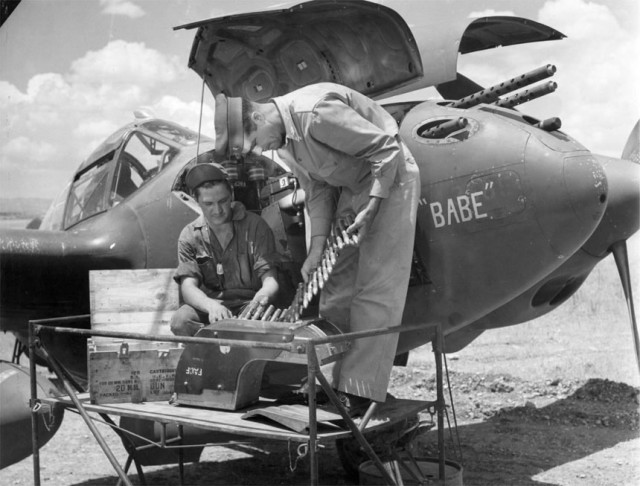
x=248, y=279
x=207, y=268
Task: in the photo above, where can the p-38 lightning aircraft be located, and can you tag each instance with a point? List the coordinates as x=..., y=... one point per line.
x=514, y=213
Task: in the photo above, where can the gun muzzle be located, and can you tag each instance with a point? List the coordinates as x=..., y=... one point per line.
x=527, y=95
x=492, y=94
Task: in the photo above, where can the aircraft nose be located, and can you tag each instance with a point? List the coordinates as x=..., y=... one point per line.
x=587, y=187
x=570, y=192
x=622, y=216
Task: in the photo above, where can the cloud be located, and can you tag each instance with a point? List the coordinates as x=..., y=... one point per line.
x=39, y=151
x=129, y=62
x=94, y=129
x=187, y=113
x=122, y=7
x=10, y=93
x=597, y=79
x=594, y=19
x=61, y=117
x=598, y=74
x=25, y=178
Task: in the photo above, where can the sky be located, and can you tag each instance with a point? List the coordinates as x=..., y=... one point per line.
x=73, y=71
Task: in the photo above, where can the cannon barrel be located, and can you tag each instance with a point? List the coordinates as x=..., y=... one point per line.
x=527, y=95
x=490, y=95
x=445, y=128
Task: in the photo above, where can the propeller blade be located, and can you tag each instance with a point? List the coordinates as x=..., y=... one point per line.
x=632, y=147
x=619, y=250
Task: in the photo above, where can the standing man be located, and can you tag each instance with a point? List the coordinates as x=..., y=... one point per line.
x=346, y=151
x=224, y=256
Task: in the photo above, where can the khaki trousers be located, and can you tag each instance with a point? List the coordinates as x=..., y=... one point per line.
x=368, y=286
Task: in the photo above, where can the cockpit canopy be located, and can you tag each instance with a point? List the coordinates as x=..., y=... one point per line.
x=126, y=161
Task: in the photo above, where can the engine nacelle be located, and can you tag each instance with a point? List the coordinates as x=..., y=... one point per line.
x=15, y=414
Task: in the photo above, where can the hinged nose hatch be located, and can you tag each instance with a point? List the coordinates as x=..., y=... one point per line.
x=365, y=46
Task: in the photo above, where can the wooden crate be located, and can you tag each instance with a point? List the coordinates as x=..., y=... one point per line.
x=140, y=301
x=122, y=372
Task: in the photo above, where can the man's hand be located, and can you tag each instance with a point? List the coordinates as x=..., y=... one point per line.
x=217, y=312
x=364, y=218
x=257, y=306
x=313, y=259
x=266, y=294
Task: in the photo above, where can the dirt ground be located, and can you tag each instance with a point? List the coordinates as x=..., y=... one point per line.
x=510, y=431
x=550, y=402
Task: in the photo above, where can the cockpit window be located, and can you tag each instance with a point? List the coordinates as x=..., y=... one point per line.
x=141, y=159
x=147, y=154
x=53, y=218
x=88, y=192
x=128, y=177
x=104, y=181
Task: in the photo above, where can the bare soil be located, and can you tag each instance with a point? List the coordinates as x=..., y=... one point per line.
x=512, y=431
x=509, y=431
x=550, y=402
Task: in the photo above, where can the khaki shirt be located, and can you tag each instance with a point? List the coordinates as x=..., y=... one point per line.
x=232, y=273
x=337, y=137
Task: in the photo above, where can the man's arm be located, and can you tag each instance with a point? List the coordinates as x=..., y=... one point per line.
x=269, y=289
x=265, y=257
x=196, y=298
x=320, y=198
x=344, y=129
x=360, y=225
x=265, y=295
x=365, y=218
x=316, y=249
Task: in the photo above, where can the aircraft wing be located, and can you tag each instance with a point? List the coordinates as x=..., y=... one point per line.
x=45, y=274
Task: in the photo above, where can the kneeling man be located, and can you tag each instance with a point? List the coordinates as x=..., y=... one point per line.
x=225, y=257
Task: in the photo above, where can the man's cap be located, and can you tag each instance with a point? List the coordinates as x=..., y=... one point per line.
x=228, y=124
x=201, y=173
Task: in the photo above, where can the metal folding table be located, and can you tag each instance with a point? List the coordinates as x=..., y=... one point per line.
x=379, y=417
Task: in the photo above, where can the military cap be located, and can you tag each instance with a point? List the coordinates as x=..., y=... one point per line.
x=201, y=173
x=228, y=124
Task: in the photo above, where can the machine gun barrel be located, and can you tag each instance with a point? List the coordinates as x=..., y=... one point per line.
x=490, y=95
x=527, y=95
x=446, y=128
